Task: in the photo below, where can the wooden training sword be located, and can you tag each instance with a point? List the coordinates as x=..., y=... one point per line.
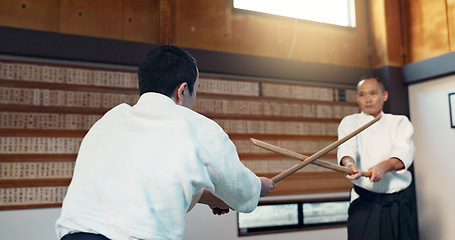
x=302, y=157
x=322, y=152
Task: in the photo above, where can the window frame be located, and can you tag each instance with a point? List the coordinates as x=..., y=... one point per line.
x=242, y=232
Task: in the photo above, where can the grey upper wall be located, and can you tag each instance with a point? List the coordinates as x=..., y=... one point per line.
x=436, y=67
x=32, y=43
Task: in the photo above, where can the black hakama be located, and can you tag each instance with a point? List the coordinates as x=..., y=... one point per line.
x=376, y=216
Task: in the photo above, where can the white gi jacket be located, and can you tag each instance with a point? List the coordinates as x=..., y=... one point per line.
x=139, y=167
x=390, y=137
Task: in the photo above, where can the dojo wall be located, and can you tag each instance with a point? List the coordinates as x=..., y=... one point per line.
x=201, y=224
x=434, y=161
x=427, y=33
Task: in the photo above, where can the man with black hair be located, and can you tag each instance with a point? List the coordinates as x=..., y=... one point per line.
x=380, y=208
x=141, y=168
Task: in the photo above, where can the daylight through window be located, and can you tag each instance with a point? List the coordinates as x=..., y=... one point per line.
x=338, y=12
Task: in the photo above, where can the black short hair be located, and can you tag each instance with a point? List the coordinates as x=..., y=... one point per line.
x=164, y=68
x=381, y=84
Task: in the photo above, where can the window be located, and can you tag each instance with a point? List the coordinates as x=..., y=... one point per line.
x=338, y=12
x=270, y=216
x=325, y=212
x=296, y=215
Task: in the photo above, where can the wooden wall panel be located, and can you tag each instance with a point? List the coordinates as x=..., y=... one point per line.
x=167, y=21
x=451, y=23
x=46, y=109
x=96, y=18
x=32, y=14
x=141, y=21
x=377, y=32
x=214, y=25
x=394, y=26
x=386, y=33
x=427, y=29
x=320, y=183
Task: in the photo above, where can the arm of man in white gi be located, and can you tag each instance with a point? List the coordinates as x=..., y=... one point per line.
x=400, y=157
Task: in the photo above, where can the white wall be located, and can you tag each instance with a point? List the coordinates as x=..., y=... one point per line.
x=28, y=224
x=435, y=157
x=201, y=224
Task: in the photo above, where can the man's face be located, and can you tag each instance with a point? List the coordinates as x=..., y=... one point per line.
x=189, y=99
x=370, y=97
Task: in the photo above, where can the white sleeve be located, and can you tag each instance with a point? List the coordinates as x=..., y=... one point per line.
x=404, y=145
x=195, y=200
x=348, y=148
x=232, y=182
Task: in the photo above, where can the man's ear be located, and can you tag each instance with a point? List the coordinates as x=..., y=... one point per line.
x=386, y=95
x=179, y=93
